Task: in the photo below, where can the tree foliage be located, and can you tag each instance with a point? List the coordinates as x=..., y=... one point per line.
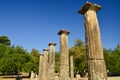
x=4, y=40
x=57, y=61
x=112, y=59
x=79, y=55
x=15, y=59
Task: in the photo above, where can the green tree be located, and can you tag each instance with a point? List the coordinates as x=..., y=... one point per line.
x=3, y=49
x=57, y=61
x=35, y=55
x=9, y=64
x=112, y=57
x=30, y=66
x=107, y=58
x=14, y=59
x=79, y=55
x=4, y=40
x=19, y=50
x=115, y=60
x=79, y=42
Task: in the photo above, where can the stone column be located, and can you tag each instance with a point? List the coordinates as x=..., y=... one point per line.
x=40, y=67
x=96, y=63
x=71, y=68
x=32, y=75
x=45, y=65
x=52, y=61
x=64, y=55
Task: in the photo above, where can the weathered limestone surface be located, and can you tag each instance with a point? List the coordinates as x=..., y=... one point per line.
x=56, y=76
x=51, y=72
x=32, y=75
x=45, y=65
x=96, y=63
x=40, y=67
x=52, y=55
x=78, y=77
x=71, y=68
x=64, y=70
x=97, y=69
x=64, y=55
x=92, y=32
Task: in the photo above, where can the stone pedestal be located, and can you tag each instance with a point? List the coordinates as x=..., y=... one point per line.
x=96, y=63
x=52, y=61
x=64, y=55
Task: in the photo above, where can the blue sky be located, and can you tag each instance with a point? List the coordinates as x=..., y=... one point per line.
x=35, y=23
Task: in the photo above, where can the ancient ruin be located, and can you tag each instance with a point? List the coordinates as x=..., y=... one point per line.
x=40, y=67
x=44, y=70
x=96, y=63
x=64, y=55
x=51, y=71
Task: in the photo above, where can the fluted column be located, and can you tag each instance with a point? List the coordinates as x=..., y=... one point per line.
x=96, y=63
x=45, y=65
x=64, y=55
x=52, y=61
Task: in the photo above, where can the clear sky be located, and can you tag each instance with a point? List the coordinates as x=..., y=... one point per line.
x=35, y=23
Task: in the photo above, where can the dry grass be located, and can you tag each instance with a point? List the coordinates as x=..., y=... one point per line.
x=11, y=78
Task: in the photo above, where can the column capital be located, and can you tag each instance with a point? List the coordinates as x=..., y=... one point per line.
x=89, y=6
x=45, y=49
x=41, y=54
x=52, y=44
x=63, y=32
